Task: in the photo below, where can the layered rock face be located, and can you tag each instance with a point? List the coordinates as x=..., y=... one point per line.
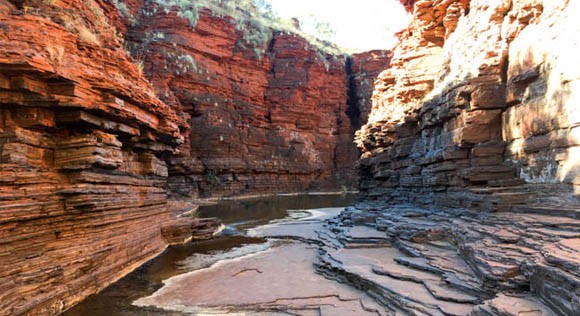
x=82, y=141
x=91, y=151
x=478, y=114
x=471, y=101
x=265, y=116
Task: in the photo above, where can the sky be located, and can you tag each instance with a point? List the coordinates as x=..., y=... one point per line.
x=359, y=24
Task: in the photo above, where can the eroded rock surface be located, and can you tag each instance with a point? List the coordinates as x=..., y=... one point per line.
x=276, y=278
x=90, y=149
x=410, y=260
x=478, y=114
x=278, y=281
x=265, y=117
x=432, y=261
x=480, y=100
x=82, y=146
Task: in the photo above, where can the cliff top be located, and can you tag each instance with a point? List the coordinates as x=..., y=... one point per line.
x=254, y=19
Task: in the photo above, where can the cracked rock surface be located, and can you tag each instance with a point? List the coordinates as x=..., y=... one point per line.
x=422, y=261
x=278, y=281
x=396, y=260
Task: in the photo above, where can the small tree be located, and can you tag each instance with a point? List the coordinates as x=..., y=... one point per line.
x=324, y=30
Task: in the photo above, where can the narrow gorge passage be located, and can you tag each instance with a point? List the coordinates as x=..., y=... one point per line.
x=456, y=123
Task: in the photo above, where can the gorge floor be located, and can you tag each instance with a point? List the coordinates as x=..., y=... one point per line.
x=371, y=259
x=238, y=216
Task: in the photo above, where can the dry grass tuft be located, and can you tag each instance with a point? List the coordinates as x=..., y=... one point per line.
x=87, y=36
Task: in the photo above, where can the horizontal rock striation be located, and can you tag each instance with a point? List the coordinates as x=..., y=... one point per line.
x=469, y=164
x=267, y=109
x=82, y=147
x=433, y=261
x=472, y=106
x=91, y=150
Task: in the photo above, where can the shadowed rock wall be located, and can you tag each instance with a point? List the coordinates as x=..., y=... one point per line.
x=265, y=117
x=364, y=70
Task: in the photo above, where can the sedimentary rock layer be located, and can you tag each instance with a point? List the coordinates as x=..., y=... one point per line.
x=480, y=98
x=89, y=154
x=434, y=261
x=267, y=116
x=478, y=114
x=82, y=140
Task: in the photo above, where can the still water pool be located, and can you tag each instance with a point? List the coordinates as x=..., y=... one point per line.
x=238, y=216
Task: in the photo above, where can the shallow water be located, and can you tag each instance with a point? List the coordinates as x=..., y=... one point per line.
x=238, y=216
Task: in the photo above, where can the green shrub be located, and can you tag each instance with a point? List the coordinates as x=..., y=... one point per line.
x=191, y=15
x=125, y=12
x=210, y=176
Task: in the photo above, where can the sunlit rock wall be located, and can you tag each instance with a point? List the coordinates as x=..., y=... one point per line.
x=480, y=112
x=481, y=96
x=542, y=123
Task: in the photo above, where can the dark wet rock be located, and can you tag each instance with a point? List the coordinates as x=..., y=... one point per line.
x=433, y=261
x=457, y=262
x=410, y=260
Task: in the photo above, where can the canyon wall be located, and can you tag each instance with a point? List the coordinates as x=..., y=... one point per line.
x=267, y=110
x=82, y=141
x=99, y=150
x=472, y=148
x=481, y=97
x=364, y=70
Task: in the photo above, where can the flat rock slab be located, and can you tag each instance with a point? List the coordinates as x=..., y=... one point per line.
x=365, y=232
x=301, y=231
x=514, y=305
x=403, y=286
x=278, y=281
x=299, y=224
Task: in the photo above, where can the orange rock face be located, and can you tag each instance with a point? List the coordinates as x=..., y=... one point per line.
x=90, y=150
x=264, y=118
x=82, y=140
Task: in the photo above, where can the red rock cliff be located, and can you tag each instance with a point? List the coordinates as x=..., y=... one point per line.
x=267, y=117
x=82, y=141
x=90, y=150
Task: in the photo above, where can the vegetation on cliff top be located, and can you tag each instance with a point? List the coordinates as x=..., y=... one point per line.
x=254, y=18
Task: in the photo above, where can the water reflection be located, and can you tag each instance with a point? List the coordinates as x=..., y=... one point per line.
x=237, y=215
x=244, y=214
